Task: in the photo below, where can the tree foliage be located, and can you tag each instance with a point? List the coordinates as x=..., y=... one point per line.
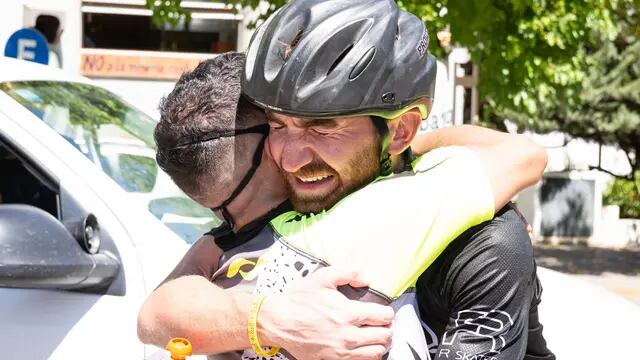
x=624, y=193
x=604, y=105
x=167, y=12
x=525, y=48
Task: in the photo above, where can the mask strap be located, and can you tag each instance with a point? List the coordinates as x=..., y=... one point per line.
x=217, y=134
x=257, y=159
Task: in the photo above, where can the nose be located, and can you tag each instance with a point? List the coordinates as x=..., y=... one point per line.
x=295, y=155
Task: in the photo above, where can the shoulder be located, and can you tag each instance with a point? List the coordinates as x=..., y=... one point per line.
x=205, y=247
x=202, y=259
x=489, y=263
x=505, y=235
x=501, y=245
x=498, y=250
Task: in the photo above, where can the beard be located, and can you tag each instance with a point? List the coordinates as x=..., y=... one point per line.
x=362, y=168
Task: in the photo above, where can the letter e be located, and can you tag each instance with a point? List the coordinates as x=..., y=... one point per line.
x=23, y=46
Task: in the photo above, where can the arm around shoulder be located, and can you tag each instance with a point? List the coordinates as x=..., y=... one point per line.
x=512, y=162
x=512, y=165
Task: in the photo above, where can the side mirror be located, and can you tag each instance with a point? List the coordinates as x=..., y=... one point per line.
x=37, y=251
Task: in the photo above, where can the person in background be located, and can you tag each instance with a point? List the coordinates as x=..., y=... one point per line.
x=49, y=26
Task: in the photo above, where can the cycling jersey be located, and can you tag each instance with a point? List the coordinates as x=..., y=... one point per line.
x=390, y=231
x=479, y=299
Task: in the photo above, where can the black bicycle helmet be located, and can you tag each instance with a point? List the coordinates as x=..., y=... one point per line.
x=319, y=58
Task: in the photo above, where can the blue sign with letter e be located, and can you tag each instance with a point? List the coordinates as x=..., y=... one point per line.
x=28, y=44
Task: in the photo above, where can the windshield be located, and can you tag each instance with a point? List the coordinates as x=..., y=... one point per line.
x=118, y=139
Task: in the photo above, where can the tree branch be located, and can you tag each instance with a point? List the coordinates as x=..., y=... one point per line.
x=629, y=177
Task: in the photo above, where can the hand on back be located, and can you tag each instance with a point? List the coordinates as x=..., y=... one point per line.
x=313, y=320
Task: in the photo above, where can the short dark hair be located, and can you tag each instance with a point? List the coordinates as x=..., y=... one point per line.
x=49, y=26
x=206, y=100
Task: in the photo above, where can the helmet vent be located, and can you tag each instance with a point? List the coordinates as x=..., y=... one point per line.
x=397, y=32
x=363, y=63
x=340, y=58
x=293, y=44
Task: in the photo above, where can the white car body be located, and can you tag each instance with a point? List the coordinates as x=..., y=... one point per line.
x=57, y=324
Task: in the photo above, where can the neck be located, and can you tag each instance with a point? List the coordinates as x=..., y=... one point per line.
x=264, y=192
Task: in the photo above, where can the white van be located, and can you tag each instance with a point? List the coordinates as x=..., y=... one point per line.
x=89, y=225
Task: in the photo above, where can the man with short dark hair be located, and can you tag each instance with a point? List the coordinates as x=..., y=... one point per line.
x=49, y=27
x=203, y=168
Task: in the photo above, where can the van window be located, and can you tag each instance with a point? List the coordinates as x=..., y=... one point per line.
x=118, y=139
x=20, y=185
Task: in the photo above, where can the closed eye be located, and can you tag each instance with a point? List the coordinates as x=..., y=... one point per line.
x=275, y=124
x=322, y=126
x=322, y=131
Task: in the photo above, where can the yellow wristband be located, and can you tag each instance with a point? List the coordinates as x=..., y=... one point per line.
x=253, y=331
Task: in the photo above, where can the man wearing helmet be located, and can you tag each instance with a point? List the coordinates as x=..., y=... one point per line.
x=359, y=74
x=338, y=178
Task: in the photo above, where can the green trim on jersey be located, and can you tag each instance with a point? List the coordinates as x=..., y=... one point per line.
x=391, y=231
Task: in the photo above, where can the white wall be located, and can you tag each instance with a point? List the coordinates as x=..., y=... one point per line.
x=10, y=21
x=244, y=33
x=441, y=115
x=18, y=14
x=578, y=154
x=575, y=157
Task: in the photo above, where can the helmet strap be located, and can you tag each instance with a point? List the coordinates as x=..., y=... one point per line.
x=386, y=167
x=407, y=159
x=380, y=124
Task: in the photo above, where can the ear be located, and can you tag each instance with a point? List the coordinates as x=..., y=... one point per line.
x=403, y=130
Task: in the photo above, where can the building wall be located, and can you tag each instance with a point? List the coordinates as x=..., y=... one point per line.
x=143, y=93
x=572, y=159
x=18, y=14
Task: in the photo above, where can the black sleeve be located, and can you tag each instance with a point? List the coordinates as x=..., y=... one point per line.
x=488, y=288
